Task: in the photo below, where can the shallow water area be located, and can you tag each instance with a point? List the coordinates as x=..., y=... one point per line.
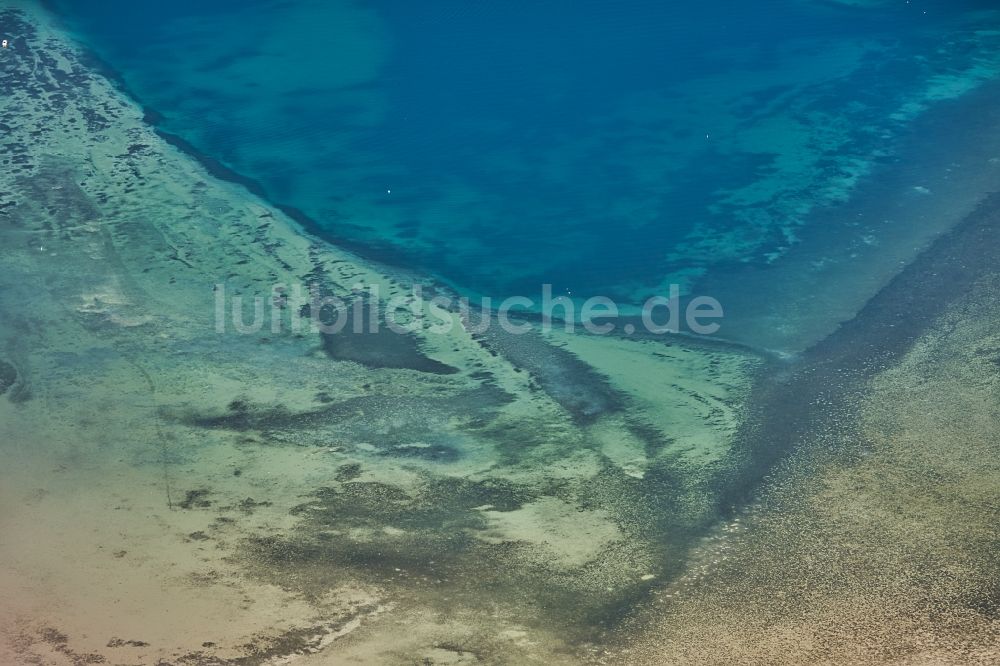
x=270, y=496
x=177, y=493
x=600, y=151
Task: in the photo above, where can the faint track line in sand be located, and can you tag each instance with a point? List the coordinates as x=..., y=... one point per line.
x=158, y=424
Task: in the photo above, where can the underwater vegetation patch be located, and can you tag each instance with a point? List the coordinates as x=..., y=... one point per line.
x=569, y=381
x=407, y=426
x=379, y=348
x=8, y=376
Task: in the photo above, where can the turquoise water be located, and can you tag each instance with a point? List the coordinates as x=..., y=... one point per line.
x=499, y=146
x=223, y=496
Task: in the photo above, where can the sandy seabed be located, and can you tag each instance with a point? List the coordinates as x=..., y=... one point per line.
x=172, y=495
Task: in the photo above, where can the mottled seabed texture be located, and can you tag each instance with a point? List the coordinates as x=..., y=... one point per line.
x=819, y=484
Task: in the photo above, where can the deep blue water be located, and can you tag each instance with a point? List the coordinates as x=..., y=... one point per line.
x=601, y=147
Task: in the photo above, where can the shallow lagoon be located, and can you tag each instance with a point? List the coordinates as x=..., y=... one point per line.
x=174, y=495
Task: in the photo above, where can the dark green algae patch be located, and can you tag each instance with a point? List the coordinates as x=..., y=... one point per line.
x=393, y=424
x=8, y=376
x=573, y=384
x=424, y=542
x=376, y=346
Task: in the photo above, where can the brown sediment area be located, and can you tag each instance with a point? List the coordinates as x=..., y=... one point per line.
x=875, y=539
x=819, y=385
